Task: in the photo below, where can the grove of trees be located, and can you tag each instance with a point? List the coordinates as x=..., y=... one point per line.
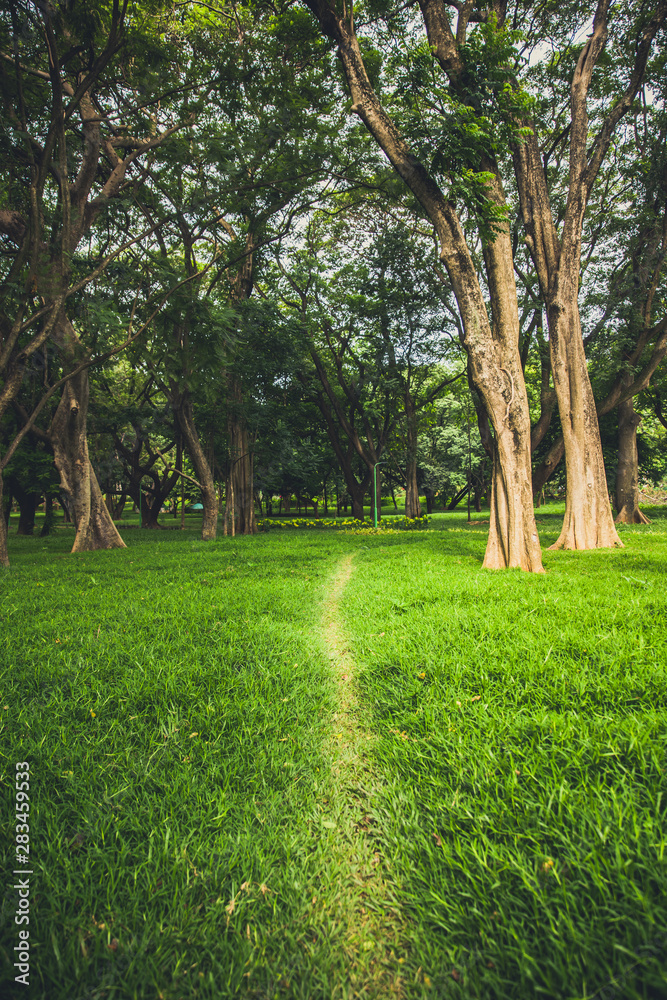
x=256, y=249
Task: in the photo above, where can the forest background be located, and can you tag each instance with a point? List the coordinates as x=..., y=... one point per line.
x=212, y=279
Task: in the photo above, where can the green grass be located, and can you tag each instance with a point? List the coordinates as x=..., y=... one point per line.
x=522, y=725
x=174, y=702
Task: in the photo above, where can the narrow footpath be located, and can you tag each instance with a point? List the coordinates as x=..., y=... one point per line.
x=371, y=911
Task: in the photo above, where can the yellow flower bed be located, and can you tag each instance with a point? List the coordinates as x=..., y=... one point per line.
x=393, y=524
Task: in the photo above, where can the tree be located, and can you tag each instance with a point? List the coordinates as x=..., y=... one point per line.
x=556, y=254
x=492, y=347
x=70, y=92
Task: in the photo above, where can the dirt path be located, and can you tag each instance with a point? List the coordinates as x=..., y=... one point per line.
x=371, y=913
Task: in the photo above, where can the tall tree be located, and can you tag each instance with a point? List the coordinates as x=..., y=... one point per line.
x=556, y=248
x=76, y=130
x=435, y=173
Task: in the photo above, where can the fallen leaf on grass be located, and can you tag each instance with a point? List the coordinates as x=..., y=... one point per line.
x=437, y=839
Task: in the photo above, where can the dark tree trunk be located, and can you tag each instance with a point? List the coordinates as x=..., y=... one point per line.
x=412, y=505
x=202, y=469
x=241, y=464
x=67, y=433
x=115, y=507
x=4, y=521
x=458, y=497
x=47, y=527
x=544, y=471
x=627, y=474
x=357, y=494
x=27, y=502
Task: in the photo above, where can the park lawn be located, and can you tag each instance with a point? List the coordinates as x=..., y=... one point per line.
x=175, y=703
x=172, y=701
x=522, y=731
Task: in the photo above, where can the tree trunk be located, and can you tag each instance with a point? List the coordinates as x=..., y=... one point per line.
x=87, y=510
x=412, y=505
x=492, y=350
x=49, y=518
x=202, y=469
x=588, y=522
x=627, y=474
x=241, y=464
x=27, y=501
x=357, y=497
x=543, y=472
x=511, y=497
x=4, y=557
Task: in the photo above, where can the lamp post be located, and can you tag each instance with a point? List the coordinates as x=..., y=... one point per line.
x=375, y=493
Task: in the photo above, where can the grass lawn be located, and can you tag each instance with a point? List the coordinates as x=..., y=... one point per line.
x=191, y=836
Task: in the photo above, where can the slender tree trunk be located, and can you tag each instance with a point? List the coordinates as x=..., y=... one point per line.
x=412, y=505
x=47, y=526
x=544, y=471
x=4, y=557
x=202, y=469
x=241, y=464
x=627, y=474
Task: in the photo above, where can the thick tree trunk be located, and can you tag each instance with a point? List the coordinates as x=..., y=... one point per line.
x=202, y=469
x=513, y=539
x=588, y=522
x=627, y=474
x=493, y=352
x=67, y=433
x=68, y=437
x=27, y=510
x=356, y=492
x=412, y=505
x=27, y=501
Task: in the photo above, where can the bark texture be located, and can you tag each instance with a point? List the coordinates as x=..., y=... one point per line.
x=588, y=519
x=627, y=473
x=202, y=469
x=588, y=522
x=240, y=476
x=88, y=511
